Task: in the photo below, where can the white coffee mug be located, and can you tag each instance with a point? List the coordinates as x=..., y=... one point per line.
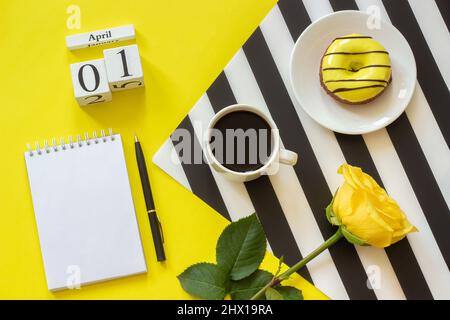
x=278, y=154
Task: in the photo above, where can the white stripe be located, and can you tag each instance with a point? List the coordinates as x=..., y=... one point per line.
x=233, y=193
x=323, y=141
x=285, y=183
x=425, y=127
x=316, y=8
x=435, y=32
x=422, y=243
x=163, y=159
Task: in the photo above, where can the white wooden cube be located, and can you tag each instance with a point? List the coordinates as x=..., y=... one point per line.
x=99, y=37
x=90, y=82
x=124, y=69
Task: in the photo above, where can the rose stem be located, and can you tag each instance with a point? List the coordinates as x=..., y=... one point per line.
x=276, y=280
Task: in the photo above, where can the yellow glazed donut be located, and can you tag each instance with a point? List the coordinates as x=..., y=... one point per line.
x=355, y=69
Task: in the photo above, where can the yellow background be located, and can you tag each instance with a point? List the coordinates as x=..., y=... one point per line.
x=183, y=45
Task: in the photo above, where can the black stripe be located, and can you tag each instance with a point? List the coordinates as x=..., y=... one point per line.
x=308, y=171
x=428, y=73
x=339, y=5
x=220, y=93
x=423, y=182
x=406, y=268
x=401, y=256
x=444, y=8
x=199, y=175
x=293, y=12
x=264, y=199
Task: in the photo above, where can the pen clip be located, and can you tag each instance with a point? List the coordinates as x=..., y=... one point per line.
x=161, y=230
x=159, y=225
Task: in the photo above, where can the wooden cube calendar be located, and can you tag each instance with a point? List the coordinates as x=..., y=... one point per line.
x=124, y=68
x=90, y=82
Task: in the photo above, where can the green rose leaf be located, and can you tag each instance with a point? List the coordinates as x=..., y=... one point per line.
x=290, y=293
x=241, y=247
x=272, y=294
x=246, y=288
x=351, y=237
x=204, y=280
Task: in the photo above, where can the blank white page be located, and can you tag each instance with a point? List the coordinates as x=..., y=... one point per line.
x=85, y=213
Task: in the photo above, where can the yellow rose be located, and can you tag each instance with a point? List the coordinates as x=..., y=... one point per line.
x=366, y=214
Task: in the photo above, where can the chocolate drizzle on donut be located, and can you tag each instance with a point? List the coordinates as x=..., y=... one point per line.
x=353, y=37
x=344, y=58
x=356, y=53
x=373, y=80
x=357, y=88
x=369, y=66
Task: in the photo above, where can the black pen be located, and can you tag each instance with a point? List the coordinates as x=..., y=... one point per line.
x=155, y=225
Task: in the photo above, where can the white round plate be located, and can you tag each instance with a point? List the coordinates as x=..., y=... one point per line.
x=340, y=117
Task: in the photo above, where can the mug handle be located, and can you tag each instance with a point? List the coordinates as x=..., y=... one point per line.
x=288, y=157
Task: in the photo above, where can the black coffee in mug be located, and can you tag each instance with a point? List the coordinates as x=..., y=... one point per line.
x=241, y=141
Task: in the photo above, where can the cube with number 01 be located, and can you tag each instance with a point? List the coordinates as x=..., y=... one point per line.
x=90, y=82
x=123, y=67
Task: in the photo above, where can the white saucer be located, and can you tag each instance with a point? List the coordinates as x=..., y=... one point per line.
x=339, y=117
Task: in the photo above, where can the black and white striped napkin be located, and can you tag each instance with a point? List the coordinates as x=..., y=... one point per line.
x=410, y=158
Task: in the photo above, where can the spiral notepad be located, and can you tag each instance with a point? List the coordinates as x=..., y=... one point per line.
x=84, y=210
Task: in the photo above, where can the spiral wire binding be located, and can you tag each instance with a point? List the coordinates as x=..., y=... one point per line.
x=79, y=142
